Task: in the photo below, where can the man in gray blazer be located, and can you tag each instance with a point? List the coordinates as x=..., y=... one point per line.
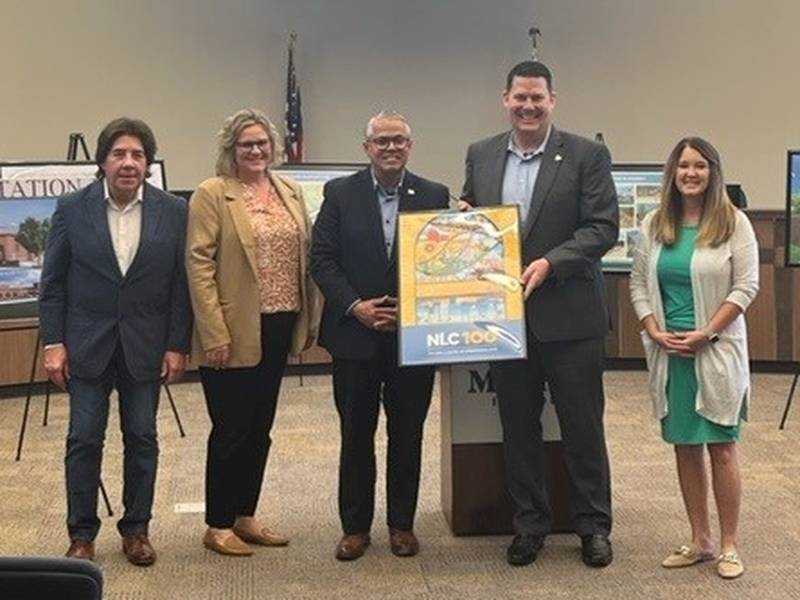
x=114, y=313
x=568, y=206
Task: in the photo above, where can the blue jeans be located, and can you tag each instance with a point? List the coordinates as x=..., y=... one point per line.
x=88, y=417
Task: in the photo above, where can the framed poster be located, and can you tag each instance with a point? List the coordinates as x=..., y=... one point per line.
x=28, y=194
x=793, y=209
x=313, y=177
x=460, y=299
x=639, y=192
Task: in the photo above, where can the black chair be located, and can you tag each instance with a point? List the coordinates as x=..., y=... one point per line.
x=38, y=578
x=736, y=194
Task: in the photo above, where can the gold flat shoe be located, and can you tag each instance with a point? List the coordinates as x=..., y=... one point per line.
x=264, y=537
x=730, y=565
x=229, y=545
x=685, y=556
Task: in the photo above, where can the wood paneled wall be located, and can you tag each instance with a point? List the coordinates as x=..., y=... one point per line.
x=773, y=320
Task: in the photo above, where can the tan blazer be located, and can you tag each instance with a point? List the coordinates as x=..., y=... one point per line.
x=222, y=275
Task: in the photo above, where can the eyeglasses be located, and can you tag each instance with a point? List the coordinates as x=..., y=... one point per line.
x=399, y=141
x=262, y=145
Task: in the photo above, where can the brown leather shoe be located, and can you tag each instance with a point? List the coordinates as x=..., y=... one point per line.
x=138, y=550
x=227, y=543
x=80, y=549
x=352, y=546
x=264, y=537
x=403, y=543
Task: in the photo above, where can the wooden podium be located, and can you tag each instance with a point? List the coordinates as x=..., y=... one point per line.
x=474, y=496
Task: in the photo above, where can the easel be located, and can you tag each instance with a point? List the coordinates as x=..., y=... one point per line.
x=76, y=142
x=791, y=395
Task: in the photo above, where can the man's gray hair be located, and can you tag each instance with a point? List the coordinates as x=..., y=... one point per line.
x=388, y=115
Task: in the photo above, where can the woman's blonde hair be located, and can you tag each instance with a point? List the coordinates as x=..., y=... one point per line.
x=232, y=128
x=719, y=214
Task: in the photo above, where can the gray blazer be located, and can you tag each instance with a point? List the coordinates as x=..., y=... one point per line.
x=573, y=221
x=85, y=301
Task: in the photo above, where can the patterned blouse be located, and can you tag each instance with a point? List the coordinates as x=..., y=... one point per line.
x=277, y=252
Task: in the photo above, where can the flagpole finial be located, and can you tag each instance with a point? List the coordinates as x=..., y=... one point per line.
x=534, y=33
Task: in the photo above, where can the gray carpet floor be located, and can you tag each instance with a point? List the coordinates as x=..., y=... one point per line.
x=299, y=498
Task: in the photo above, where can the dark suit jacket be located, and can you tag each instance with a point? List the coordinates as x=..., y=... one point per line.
x=87, y=304
x=573, y=221
x=348, y=255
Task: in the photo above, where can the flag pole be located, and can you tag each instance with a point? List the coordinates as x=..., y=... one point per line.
x=293, y=136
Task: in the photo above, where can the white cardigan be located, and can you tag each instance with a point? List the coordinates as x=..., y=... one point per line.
x=727, y=273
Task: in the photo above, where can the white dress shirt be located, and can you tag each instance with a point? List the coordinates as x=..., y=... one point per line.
x=125, y=226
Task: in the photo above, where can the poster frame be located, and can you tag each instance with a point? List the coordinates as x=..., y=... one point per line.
x=502, y=339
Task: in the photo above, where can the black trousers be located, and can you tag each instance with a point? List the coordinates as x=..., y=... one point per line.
x=359, y=388
x=573, y=371
x=241, y=403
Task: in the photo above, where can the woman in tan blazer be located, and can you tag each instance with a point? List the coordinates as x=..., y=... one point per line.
x=246, y=258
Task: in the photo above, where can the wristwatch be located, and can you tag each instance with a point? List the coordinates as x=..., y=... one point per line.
x=712, y=336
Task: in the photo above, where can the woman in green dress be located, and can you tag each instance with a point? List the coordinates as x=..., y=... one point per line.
x=695, y=272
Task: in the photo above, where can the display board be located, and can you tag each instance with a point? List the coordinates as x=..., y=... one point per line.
x=28, y=194
x=639, y=192
x=793, y=209
x=313, y=177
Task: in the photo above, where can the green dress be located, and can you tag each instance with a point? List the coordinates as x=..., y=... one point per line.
x=683, y=425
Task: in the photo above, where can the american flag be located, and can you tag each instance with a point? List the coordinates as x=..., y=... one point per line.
x=293, y=140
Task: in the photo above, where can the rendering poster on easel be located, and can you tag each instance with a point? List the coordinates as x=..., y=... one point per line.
x=639, y=192
x=793, y=209
x=312, y=177
x=28, y=194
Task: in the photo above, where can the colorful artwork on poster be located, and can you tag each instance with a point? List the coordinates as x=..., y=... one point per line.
x=460, y=295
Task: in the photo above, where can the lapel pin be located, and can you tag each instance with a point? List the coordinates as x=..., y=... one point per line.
x=559, y=158
x=410, y=192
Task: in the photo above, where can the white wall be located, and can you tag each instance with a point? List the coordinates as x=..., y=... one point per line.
x=644, y=72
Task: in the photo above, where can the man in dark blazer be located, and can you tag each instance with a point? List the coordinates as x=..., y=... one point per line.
x=114, y=313
x=354, y=262
x=568, y=204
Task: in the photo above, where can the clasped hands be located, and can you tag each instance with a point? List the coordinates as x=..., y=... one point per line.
x=379, y=314
x=684, y=343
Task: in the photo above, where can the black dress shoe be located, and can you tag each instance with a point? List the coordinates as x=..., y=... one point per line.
x=524, y=548
x=596, y=550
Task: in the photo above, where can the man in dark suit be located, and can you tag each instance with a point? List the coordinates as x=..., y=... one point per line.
x=114, y=313
x=354, y=262
x=568, y=204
